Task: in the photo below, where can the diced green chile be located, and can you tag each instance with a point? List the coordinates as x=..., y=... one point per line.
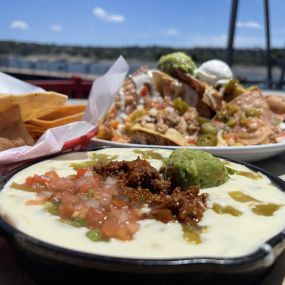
x=207, y=140
x=208, y=128
x=180, y=105
x=97, y=159
x=51, y=207
x=79, y=222
x=148, y=154
x=202, y=120
x=95, y=235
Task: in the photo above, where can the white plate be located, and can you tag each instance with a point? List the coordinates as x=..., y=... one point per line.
x=242, y=153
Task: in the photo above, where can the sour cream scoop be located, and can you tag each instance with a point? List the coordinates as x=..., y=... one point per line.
x=214, y=72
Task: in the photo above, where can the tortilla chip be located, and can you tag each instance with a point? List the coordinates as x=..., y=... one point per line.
x=64, y=115
x=264, y=129
x=171, y=135
x=33, y=105
x=276, y=104
x=105, y=132
x=12, y=129
x=34, y=131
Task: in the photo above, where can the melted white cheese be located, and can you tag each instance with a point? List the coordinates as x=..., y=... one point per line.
x=226, y=235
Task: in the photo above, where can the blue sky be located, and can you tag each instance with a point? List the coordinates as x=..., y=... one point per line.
x=178, y=23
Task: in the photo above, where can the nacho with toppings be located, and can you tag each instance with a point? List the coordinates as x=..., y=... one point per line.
x=172, y=121
x=180, y=109
x=248, y=120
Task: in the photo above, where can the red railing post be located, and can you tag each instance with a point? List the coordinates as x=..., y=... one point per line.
x=77, y=86
x=74, y=87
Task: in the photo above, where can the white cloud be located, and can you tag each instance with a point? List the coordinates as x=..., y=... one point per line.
x=55, y=28
x=172, y=32
x=116, y=18
x=19, y=25
x=249, y=25
x=100, y=13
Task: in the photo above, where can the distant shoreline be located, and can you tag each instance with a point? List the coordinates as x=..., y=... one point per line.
x=52, y=52
x=249, y=65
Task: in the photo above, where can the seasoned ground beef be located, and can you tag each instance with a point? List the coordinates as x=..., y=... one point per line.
x=142, y=184
x=135, y=174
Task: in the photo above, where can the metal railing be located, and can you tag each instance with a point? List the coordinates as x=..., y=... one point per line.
x=75, y=87
x=231, y=35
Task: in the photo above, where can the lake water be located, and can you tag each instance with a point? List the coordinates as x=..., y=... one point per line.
x=96, y=68
x=244, y=73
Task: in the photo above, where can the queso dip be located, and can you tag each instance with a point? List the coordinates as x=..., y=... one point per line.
x=241, y=215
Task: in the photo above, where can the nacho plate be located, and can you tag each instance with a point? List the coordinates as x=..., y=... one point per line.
x=144, y=112
x=242, y=153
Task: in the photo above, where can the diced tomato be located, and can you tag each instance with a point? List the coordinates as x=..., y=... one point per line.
x=81, y=183
x=119, y=138
x=115, y=124
x=68, y=198
x=84, y=188
x=66, y=210
x=192, y=141
x=229, y=136
x=125, y=231
x=132, y=228
x=111, y=229
x=103, y=209
x=82, y=210
x=36, y=179
x=94, y=217
x=145, y=90
x=80, y=172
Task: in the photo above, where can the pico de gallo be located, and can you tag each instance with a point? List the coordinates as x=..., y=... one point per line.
x=110, y=199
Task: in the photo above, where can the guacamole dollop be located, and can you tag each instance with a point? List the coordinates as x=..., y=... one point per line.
x=188, y=167
x=169, y=63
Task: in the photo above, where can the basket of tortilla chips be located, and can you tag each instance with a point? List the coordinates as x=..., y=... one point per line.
x=25, y=117
x=35, y=123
